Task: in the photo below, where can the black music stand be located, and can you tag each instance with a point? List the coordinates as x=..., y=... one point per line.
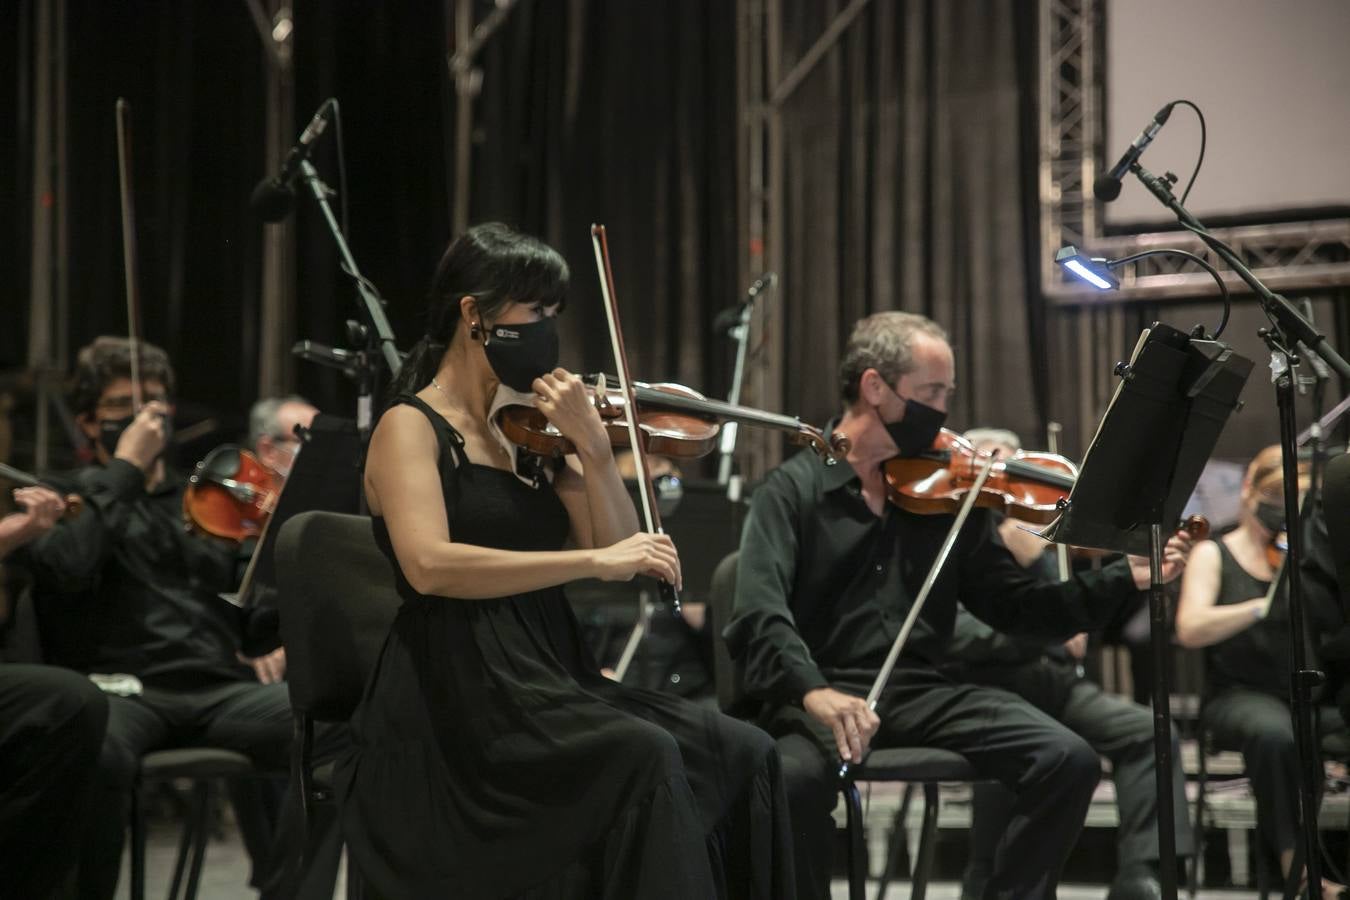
x=1173, y=399
x=326, y=476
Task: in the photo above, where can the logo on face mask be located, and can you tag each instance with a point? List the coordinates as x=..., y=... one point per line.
x=919, y=428
x=521, y=353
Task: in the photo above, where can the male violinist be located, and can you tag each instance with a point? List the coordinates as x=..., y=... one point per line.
x=125, y=593
x=827, y=572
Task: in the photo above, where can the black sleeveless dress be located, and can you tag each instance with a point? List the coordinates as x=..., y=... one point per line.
x=1256, y=658
x=492, y=759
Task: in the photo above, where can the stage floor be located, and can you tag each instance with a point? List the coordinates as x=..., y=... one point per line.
x=225, y=875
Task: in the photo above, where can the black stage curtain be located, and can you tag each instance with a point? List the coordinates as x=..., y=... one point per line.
x=906, y=186
x=622, y=114
x=910, y=162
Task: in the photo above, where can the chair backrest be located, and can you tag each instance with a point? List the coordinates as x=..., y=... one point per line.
x=337, y=596
x=721, y=597
x=22, y=640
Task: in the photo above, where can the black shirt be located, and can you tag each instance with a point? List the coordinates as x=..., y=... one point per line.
x=124, y=587
x=823, y=585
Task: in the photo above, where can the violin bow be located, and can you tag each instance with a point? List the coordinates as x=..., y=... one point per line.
x=132, y=272
x=651, y=515
x=917, y=607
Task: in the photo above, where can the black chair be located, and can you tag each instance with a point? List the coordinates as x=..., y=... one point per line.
x=913, y=765
x=337, y=598
x=203, y=766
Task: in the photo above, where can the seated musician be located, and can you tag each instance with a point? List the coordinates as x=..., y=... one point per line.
x=51, y=726
x=271, y=433
x=1224, y=609
x=1049, y=676
x=827, y=571
x=124, y=591
x=492, y=758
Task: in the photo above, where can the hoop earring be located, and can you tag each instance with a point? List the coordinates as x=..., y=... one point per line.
x=474, y=332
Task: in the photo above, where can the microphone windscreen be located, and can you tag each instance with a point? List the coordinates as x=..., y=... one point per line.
x=1106, y=188
x=1336, y=508
x=271, y=200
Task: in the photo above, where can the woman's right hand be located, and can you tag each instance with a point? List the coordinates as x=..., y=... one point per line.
x=640, y=554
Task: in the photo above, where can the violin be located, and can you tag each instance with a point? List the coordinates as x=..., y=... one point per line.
x=672, y=420
x=230, y=494
x=74, y=502
x=1027, y=485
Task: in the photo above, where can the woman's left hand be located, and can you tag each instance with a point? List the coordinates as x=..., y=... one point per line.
x=566, y=402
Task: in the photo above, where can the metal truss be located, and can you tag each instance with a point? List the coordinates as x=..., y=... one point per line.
x=1298, y=256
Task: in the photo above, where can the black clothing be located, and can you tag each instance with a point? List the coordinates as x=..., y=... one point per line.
x=1256, y=658
x=1052, y=771
x=248, y=717
x=1246, y=703
x=493, y=760
x=51, y=725
x=124, y=587
x=1115, y=727
x=822, y=588
x=1261, y=727
x=823, y=585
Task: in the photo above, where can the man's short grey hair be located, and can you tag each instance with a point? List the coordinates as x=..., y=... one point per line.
x=883, y=341
x=1004, y=436
x=263, y=417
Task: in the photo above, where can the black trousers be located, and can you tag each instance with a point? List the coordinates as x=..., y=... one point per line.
x=1261, y=727
x=1050, y=770
x=51, y=725
x=1117, y=728
x=245, y=716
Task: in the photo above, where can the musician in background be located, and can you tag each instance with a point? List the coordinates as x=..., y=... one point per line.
x=125, y=593
x=1226, y=609
x=271, y=430
x=828, y=571
x=272, y=422
x=1049, y=676
x=51, y=726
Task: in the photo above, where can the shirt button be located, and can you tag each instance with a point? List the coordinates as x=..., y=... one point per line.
x=879, y=567
x=675, y=678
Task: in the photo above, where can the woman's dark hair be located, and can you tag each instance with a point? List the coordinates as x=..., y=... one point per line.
x=494, y=264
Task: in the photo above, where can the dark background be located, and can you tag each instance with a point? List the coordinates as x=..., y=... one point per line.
x=910, y=157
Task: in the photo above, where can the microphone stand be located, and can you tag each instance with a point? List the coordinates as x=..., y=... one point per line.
x=1289, y=329
x=740, y=333
x=378, y=336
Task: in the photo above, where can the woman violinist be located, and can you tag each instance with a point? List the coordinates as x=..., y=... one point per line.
x=1227, y=609
x=492, y=758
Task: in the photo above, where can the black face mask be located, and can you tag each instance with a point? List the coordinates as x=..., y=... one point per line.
x=521, y=353
x=1270, y=516
x=110, y=432
x=917, y=431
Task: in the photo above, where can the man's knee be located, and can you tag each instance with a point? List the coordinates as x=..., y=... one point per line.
x=808, y=779
x=1269, y=745
x=1071, y=762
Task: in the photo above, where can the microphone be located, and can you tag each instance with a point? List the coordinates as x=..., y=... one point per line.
x=1107, y=186
x=273, y=198
x=729, y=317
x=332, y=357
